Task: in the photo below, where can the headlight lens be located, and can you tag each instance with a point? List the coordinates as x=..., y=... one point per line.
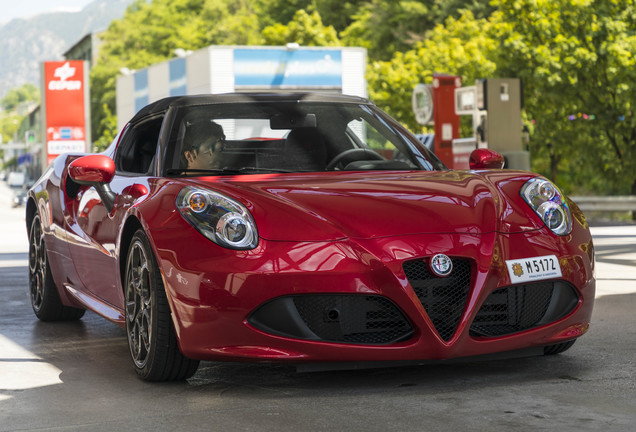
x=219, y=218
x=549, y=203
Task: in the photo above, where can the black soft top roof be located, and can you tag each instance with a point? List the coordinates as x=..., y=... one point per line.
x=163, y=105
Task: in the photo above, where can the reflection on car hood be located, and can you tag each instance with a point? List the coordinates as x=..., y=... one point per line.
x=329, y=206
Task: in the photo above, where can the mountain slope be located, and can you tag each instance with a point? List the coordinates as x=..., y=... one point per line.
x=25, y=43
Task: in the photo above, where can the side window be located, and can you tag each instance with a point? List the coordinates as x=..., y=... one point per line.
x=138, y=148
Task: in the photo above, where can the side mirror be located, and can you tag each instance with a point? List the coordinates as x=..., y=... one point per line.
x=485, y=159
x=96, y=171
x=92, y=169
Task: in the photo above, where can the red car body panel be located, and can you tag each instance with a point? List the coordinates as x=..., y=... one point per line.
x=277, y=268
x=319, y=233
x=213, y=290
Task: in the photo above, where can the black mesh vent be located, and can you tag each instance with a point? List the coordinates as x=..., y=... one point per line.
x=443, y=298
x=357, y=319
x=353, y=319
x=521, y=307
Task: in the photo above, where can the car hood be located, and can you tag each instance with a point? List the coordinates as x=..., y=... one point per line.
x=328, y=206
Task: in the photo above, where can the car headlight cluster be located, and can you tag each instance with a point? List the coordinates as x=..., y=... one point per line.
x=549, y=203
x=219, y=218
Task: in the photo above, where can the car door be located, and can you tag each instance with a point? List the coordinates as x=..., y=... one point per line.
x=96, y=229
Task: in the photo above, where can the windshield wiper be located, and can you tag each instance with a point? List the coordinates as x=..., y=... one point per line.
x=201, y=171
x=260, y=169
x=222, y=171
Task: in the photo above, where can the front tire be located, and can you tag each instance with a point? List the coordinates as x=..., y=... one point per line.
x=151, y=336
x=45, y=299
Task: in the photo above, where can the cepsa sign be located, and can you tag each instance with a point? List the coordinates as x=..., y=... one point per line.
x=65, y=98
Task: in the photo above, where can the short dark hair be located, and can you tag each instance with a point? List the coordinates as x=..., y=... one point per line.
x=197, y=133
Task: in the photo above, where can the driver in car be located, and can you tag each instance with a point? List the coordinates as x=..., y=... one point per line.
x=203, y=145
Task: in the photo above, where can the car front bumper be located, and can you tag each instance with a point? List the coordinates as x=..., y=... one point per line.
x=334, y=301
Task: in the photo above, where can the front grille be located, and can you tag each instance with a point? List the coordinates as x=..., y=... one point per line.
x=356, y=319
x=443, y=298
x=521, y=307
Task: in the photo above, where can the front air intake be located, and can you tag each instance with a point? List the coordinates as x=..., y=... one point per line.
x=354, y=319
x=517, y=308
x=443, y=298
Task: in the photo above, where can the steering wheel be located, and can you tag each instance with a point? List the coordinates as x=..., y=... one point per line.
x=352, y=155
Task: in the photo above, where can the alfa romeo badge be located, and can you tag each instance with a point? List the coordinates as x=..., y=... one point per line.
x=441, y=265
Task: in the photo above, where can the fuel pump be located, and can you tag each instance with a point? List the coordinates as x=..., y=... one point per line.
x=495, y=107
x=434, y=104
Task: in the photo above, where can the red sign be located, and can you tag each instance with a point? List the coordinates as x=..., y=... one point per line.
x=65, y=118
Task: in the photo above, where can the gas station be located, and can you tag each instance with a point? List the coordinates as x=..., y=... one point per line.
x=494, y=105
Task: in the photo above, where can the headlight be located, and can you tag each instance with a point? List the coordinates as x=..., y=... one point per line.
x=549, y=203
x=219, y=218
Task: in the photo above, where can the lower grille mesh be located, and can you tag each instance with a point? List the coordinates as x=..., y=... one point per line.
x=443, y=298
x=352, y=319
x=521, y=307
x=356, y=319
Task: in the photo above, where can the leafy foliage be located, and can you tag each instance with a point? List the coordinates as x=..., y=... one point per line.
x=575, y=58
x=385, y=27
x=16, y=96
x=108, y=125
x=10, y=118
x=304, y=29
x=150, y=32
x=338, y=13
x=460, y=47
x=9, y=123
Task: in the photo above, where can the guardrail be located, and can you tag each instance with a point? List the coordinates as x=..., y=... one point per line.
x=606, y=203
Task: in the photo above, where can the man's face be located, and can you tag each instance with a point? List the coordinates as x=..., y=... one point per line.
x=206, y=156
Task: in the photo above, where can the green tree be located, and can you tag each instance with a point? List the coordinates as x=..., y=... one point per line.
x=460, y=47
x=304, y=29
x=577, y=59
x=280, y=11
x=337, y=13
x=25, y=93
x=573, y=56
x=9, y=124
x=150, y=32
x=10, y=118
x=386, y=27
x=109, y=127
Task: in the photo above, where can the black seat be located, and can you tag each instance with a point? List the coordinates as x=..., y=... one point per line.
x=305, y=150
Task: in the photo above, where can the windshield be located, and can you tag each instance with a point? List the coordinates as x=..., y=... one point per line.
x=290, y=137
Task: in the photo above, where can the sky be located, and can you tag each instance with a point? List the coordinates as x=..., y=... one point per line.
x=26, y=8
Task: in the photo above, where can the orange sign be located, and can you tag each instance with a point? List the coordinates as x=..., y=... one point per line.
x=65, y=96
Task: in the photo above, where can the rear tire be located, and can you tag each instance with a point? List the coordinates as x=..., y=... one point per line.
x=151, y=337
x=45, y=299
x=558, y=348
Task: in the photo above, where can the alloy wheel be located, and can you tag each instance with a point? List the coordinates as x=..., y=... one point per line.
x=138, y=304
x=37, y=265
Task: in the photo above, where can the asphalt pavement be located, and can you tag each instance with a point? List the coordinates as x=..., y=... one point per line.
x=77, y=376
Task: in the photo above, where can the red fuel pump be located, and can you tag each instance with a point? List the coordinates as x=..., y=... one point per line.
x=446, y=121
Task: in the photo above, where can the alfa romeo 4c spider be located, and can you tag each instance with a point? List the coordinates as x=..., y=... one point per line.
x=303, y=228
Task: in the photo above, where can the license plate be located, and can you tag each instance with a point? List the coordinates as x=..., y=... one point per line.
x=533, y=269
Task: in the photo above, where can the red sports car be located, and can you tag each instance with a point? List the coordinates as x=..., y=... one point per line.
x=307, y=228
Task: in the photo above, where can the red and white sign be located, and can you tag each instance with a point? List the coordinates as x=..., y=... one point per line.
x=65, y=96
